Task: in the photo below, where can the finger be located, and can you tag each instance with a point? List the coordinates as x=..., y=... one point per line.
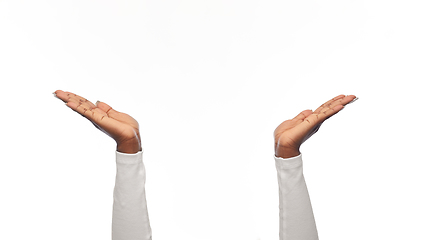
x=79, y=108
x=92, y=114
x=326, y=104
x=80, y=100
x=303, y=115
x=64, y=96
x=356, y=98
x=112, y=113
x=99, y=111
x=80, y=104
x=319, y=118
x=106, y=108
x=329, y=112
x=343, y=101
x=115, y=115
x=71, y=97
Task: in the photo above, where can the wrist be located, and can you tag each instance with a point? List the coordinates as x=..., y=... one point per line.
x=283, y=152
x=130, y=147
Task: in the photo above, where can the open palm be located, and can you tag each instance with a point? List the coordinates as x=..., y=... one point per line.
x=120, y=126
x=290, y=134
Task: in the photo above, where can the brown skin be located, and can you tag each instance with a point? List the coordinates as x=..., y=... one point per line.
x=124, y=129
x=120, y=126
x=290, y=134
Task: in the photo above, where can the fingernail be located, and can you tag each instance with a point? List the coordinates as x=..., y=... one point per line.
x=352, y=100
x=54, y=94
x=97, y=102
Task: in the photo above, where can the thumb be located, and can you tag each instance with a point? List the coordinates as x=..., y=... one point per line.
x=119, y=116
x=106, y=108
x=303, y=115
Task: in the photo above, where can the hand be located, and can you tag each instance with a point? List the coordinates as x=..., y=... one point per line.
x=290, y=134
x=120, y=126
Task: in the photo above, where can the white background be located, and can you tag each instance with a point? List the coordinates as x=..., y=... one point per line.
x=208, y=81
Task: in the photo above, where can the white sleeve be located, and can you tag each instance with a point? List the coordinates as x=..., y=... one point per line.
x=296, y=217
x=130, y=219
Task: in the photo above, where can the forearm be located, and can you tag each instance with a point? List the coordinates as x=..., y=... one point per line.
x=130, y=217
x=296, y=217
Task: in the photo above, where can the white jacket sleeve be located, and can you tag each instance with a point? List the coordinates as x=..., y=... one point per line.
x=130, y=219
x=296, y=217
